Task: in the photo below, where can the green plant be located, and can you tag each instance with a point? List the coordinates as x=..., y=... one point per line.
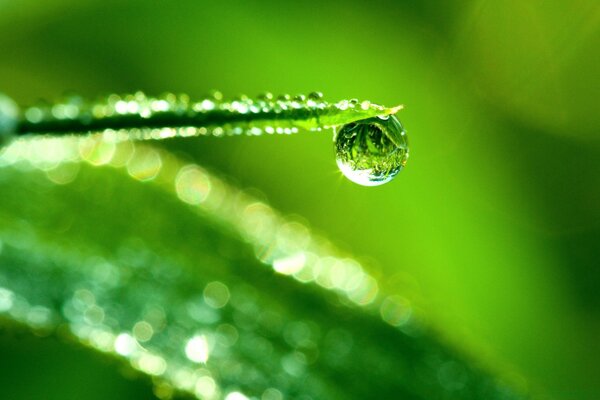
x=200, y=286
x=371, y=147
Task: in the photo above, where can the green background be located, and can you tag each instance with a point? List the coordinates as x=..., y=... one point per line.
x=497, y=215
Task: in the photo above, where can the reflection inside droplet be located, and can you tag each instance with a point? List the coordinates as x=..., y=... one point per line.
x=371, y=152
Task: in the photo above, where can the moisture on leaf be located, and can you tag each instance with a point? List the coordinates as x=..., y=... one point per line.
x=152, y=260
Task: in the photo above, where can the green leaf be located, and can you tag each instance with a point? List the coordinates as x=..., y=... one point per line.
x=141, y=117
x=138, y=254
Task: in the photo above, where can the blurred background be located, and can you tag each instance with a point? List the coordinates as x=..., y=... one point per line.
x=497, y=215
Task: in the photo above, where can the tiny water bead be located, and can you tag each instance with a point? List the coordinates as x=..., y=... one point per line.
x=372, y=151
x=371, y=144
x=141, y=117
x=257, y=306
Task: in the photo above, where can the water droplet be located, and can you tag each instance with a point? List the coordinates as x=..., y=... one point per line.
x=371, y=152
x=267, y=96
x=215, y=94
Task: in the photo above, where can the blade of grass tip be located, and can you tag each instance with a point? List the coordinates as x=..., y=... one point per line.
x=177, y=115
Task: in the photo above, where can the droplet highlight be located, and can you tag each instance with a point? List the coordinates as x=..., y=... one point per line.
x=372, y=151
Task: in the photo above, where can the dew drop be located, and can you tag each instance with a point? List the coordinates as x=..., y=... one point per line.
x=267, y=96
x=371, y=152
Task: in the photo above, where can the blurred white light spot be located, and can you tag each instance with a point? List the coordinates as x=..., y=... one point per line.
x=125, y=344
x=207, y=104
x=96, y=151
x=366, y=292
x=192, y=185
x=144, y=165
x=39, y=316
x=152, y=364
x=159, y=105
x=197, y=349
x=236, y=396
x=205, y=387
x=6, y=299
x=102, y=340
x=290, y=265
